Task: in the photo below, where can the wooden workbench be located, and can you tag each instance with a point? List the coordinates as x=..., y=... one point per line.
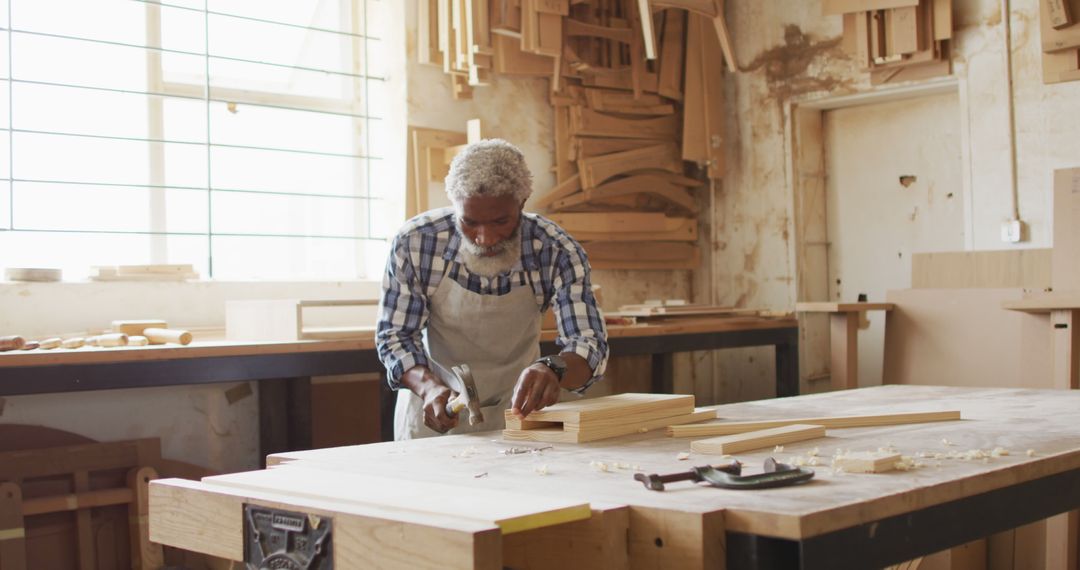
x=837, y=520
x=284, y=369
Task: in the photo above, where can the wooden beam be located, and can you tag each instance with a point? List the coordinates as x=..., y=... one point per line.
x=844, y=350
x=749, y=441
x=830, y=422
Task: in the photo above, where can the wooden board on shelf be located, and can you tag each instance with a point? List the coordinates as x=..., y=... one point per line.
x=648, y=184
x=618, y=222
x=598, y=169
x=588, y=123
x=642, y=255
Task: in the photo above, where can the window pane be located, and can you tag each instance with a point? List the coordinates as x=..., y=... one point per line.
x=93, y=207
x=264, y=170
x=251, y=125
x=247, y=213
x=239, y=38
x=85, y=111
x=5, y=207
x=76, y=253
x=255, y=76
x=286, y=258
x=322, y=15
x=104, y=161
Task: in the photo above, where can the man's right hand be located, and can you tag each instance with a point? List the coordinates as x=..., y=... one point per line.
x=435, y=395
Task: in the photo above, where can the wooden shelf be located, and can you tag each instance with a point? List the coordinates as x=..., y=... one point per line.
x=1045, y=302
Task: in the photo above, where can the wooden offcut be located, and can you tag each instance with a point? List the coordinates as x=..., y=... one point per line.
x=749, y=441
x=866, y=461
x=831, y=422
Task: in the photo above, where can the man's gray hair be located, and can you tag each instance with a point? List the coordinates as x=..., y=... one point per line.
x=491, y=167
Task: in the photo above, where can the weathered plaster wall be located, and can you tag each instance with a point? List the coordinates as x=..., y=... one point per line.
x=787, y=51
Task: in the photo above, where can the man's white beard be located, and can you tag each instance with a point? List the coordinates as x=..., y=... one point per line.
x=507, y=253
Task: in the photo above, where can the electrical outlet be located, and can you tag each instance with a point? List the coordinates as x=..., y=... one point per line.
x=1012, y=231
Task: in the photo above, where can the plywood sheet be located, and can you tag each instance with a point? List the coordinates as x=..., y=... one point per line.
x=1027, y=268
x=962, y=337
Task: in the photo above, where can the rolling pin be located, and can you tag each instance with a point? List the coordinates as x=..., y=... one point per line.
x=162, y=336
x=11, y=342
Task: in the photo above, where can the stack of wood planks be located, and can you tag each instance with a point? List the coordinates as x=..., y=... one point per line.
x=1059, y=22
x=634, y=99
x=897, y=40
x=606, y=417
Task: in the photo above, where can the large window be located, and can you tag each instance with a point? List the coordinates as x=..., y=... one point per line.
x=239, y=136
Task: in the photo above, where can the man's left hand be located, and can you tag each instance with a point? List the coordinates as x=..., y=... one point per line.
x=536, y=389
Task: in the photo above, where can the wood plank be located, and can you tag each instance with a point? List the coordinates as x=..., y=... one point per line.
x=209, y=519
x=830, y=422
x=1058, y=39
x=828, y=307
x=866, y=461
x=749, y=441
x=511, y=512
x=943, y=20
x=1061, y=66
x=616, y=222
x=427, y=33
x=587, y=147
x=1026, y=268
x=144, y=554
x=931, y=334
x=511, y=60
x=671, y=255
x=844, y=350
x=614, y=406
x=1058, y=13
x=837, y=7
x=714, y=98
x=694, y=143
x=562, y=190
x=672, y=50
x=598, y=169
x=608, y=430
x=905, y=32
x=648, y=184
x=588, y=123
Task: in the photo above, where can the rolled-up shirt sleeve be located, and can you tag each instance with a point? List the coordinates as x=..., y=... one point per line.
x=578, y=317
x=403, y=314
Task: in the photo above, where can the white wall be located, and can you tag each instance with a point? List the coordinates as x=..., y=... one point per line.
x=788, y=50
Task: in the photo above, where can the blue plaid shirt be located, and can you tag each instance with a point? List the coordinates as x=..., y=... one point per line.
x=425, y=252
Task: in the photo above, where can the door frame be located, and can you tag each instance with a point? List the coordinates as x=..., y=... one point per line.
x=805, y=162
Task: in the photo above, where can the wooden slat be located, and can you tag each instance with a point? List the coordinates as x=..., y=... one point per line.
x=672, y=50
x=1059, y=14
x=830, y=422
x=866, y=461
x=634, y=184
x=694, y=147
x=614, y=406
x=1058, y=39
x=33, y=463
x=607, y=430
x=588, y=123
x=617, y=222
x=84, y=531
x=749, y=441
x=144, y=554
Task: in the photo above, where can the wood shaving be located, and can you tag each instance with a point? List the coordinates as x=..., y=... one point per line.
x=778, y=449
x=1031, y=453
x=480, y=475
x=999, y=452
x=813, y=452
x=543, y=470
x=683, y=456
x=600, y=466
x=946, y=442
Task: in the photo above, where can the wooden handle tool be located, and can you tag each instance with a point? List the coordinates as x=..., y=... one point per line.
x=162, y=336
x=13, y=342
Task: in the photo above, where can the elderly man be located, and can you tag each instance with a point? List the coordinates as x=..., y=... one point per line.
x=468, y=284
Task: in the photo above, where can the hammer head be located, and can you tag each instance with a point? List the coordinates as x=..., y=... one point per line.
x=472, y=397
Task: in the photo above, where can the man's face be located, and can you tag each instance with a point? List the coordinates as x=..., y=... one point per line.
x=488, y=223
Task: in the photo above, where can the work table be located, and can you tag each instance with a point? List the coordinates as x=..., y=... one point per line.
x=835, y=520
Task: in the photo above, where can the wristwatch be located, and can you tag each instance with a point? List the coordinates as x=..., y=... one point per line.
x=555, y=362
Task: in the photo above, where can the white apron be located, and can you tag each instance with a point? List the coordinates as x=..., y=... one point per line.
x=498, y=336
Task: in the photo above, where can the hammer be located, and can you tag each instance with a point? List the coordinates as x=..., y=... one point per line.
x=468, y=398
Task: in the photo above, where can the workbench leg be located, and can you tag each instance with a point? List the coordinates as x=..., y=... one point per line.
x=787, y=366
x=1061, y=531
x=844, y=350
x=284, y=415
x=663, y=381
